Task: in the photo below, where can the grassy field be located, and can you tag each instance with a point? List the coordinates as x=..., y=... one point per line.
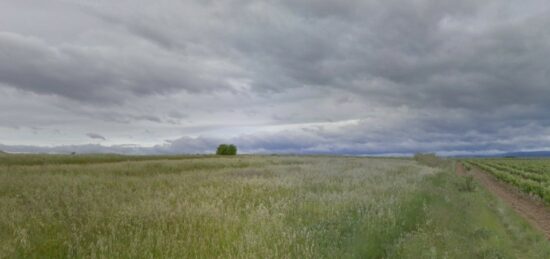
x=250, y=207
x=37, y=159
x=529, y=175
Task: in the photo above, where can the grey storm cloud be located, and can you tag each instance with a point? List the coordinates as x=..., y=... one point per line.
x=300, y=76
x=91, y=74
x=95, y=136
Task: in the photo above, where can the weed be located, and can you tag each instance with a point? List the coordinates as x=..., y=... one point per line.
x=467, y=184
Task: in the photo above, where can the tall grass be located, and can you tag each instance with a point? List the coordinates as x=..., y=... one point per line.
x=245, y=207
x=8, y=159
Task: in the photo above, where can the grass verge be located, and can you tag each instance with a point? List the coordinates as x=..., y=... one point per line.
x=469, y=224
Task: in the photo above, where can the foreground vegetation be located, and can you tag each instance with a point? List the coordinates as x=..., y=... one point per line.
x=252, y=207
x=529, y=175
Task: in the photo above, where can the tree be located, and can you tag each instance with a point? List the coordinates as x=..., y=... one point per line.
x=232, y=150
x=226, y=150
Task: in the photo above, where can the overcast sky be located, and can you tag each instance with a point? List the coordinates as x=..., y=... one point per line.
x=288, y=76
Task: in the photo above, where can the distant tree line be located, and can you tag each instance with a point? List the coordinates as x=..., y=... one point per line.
x=226, y=150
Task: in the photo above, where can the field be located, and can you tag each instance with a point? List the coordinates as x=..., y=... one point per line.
x=251, y=207
x=529, y=175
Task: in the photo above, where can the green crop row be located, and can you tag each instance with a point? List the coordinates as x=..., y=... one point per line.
x=537, y=184
x=519, y=171
x=539, y=166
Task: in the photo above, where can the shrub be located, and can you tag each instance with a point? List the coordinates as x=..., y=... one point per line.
x=429, y=159
x=227, y=150
x=467, y=184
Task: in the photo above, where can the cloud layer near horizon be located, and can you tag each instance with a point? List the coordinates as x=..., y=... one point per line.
x=343, y=77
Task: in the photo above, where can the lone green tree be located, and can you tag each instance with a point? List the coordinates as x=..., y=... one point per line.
x=226, y=150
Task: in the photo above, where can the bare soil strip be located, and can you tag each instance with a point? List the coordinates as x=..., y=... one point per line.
x=535, y=211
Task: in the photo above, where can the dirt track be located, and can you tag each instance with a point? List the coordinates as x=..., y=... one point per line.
x=536, y=212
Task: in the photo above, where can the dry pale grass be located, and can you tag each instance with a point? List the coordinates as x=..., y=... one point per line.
x=208, y=207
x=247, y=207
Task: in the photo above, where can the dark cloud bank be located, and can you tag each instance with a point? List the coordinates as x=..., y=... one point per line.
x=335, y=77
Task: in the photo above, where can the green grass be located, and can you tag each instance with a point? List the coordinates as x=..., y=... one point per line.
x=250, y=207
x=470, y=224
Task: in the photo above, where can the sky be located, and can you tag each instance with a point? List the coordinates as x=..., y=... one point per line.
x=369, y=77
